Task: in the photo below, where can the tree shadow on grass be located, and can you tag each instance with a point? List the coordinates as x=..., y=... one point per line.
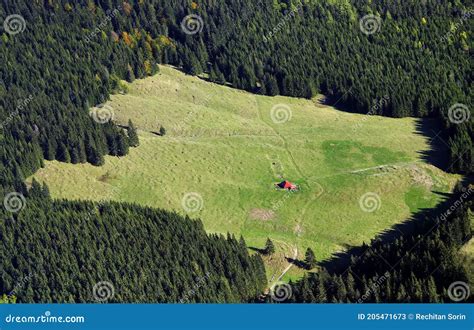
x=417, y=223
x=261, y=251
x=297, y=263
x=343, y=102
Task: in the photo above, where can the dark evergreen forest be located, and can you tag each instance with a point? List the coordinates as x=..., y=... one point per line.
x=73, y=54
x=64, y=248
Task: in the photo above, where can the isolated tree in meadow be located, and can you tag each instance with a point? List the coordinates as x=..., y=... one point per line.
x=269, y=247
x=162, y=131
x=132, y=135
x=310, y=259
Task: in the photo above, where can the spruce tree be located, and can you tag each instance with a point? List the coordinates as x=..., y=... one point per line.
x=122, y=144
x=132, y=135
x=310, y=259
x=162, y=131
x=321, y=296
x=269, y=247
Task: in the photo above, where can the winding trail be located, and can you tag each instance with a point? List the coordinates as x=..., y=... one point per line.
x=398, y=165
x=295, y=255
x=310, y=182
x=300, y=219
x=281, y=137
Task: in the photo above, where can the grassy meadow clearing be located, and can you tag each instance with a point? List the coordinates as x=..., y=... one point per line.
x=224, y=150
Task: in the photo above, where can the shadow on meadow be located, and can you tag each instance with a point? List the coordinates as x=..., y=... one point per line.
x=437, y=154
x=420, y=223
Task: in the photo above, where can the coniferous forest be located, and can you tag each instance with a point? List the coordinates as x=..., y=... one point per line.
x=63, y=249
x=73, y=57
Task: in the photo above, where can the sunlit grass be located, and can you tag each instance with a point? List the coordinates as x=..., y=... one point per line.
x=224, y=145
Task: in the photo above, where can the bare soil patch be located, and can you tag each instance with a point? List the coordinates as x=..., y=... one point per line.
x=262, y=214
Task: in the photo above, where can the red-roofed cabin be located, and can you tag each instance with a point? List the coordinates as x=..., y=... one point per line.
x=287, y=185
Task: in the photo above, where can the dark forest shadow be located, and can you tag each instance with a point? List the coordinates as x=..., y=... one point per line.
x=436, y=156
x=341, y=103
x=438, y=153
x=340, y=262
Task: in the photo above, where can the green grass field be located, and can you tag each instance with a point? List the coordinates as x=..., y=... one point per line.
x=224, y=150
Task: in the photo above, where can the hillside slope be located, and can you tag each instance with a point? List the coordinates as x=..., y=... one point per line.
x=224, y=150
